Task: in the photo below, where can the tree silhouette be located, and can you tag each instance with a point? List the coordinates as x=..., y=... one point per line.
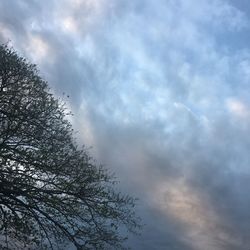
x=51, y=191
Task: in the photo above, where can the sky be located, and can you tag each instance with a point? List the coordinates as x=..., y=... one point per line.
x=160, y=91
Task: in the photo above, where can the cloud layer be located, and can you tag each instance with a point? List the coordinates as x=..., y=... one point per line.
x=161, y=91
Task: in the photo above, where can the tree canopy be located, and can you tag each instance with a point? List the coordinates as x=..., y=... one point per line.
x=51, y=191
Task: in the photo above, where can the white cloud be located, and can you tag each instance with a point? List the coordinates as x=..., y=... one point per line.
x=237, y=108
x=39, y=49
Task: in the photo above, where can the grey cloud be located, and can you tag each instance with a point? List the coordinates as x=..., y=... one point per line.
x=164, y=102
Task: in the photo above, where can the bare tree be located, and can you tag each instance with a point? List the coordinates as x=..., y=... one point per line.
x=51, y=192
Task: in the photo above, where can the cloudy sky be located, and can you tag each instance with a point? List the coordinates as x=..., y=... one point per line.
x=160, y=90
